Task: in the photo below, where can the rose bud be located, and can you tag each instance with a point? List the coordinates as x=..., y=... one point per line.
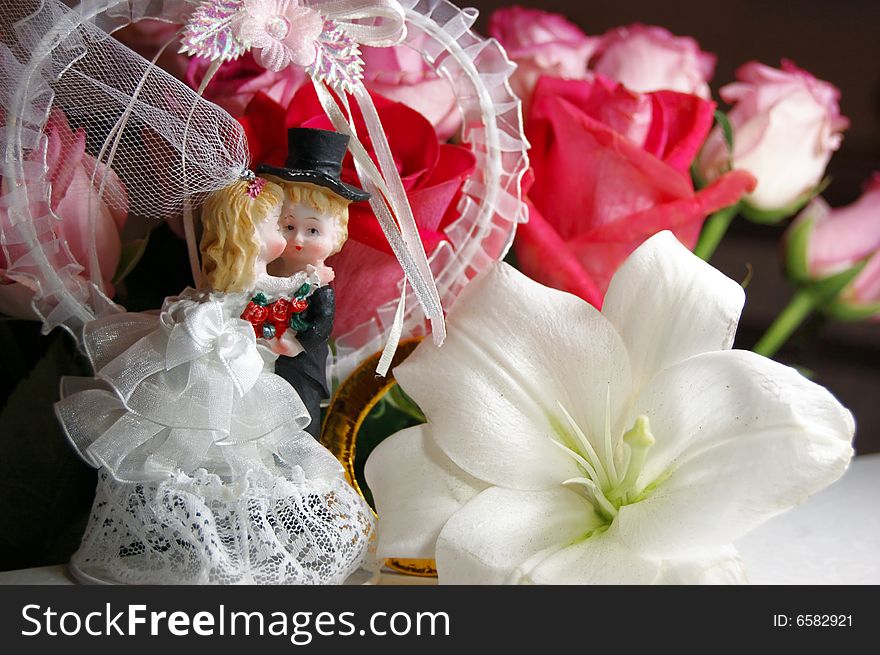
x=541, y=43
x=837, y=252
x=645, y=58
x=298, y=305
x=786, y=124
x=279, y=310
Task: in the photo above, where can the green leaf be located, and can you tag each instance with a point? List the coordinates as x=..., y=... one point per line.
x=726, y=129
x=774, y=216
x=827, y=289
x=851, y=312
x=398, y=399
x=46, y=491
x=797, y=243
x=394, y=412
x=129, y=257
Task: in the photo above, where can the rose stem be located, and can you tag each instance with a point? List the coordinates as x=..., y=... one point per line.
x=798, y=308
x=713, y=231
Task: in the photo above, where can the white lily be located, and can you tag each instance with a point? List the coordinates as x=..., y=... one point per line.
x=565, y=445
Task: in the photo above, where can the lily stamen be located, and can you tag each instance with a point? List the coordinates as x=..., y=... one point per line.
x=605, y=490
x=590, y=470
x=589, y=452
x=609, y=448
x=601, y=503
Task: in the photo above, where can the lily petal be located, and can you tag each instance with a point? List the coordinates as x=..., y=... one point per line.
x=494, y=537
x=494, y=401
x=668, y=304
x=600, y=559
x=722, y=567
x=739, y=439
x=414, y=500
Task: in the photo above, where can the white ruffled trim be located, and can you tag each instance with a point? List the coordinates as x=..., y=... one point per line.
x=491, y=205
x=48, y=58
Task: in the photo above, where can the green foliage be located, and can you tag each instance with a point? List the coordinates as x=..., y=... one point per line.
x=396, y=411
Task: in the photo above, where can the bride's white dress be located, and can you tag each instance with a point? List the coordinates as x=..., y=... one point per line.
x=206, y=474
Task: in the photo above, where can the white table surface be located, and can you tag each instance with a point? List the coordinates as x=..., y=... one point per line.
x=833, y=538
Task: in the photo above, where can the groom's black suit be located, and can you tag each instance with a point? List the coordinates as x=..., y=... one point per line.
x=307, y=372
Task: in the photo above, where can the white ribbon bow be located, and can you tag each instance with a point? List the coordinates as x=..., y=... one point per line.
x=205, y=329
x=377, y=23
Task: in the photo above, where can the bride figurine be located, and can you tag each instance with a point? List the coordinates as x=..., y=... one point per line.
x=207, y=474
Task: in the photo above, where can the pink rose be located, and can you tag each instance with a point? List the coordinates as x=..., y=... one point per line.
x=399, y=73
x=824, y=242
x=786, y=124
x=610, y=171
x=74, y=200
x=236, y=82
x=541, y=43
x=646, y=58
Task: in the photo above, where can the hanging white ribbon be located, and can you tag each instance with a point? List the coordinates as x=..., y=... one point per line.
x=205, y=329
x=389, y=200
x=390, y=205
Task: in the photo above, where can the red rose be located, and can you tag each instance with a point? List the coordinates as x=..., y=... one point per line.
x=367, y=273
x=611, y=169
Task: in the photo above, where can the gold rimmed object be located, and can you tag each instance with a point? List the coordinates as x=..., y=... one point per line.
x=349, y=408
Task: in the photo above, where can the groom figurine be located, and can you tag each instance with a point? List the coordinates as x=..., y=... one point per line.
x=314, y=221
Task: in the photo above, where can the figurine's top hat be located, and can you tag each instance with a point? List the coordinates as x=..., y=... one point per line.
x=315, y=156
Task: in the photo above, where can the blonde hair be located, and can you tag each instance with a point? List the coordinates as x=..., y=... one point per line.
x=229, y=244
x=322, y=200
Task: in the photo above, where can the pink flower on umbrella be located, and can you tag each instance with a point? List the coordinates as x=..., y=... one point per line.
x=280, y=32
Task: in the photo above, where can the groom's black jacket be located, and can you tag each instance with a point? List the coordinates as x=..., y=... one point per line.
x=307, y=372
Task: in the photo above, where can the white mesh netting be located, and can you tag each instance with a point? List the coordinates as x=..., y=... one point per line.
x=148, y=141
x=137, y=120
x=200, y=530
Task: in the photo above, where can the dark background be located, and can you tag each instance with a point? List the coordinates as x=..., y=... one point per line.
x=46, y=492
